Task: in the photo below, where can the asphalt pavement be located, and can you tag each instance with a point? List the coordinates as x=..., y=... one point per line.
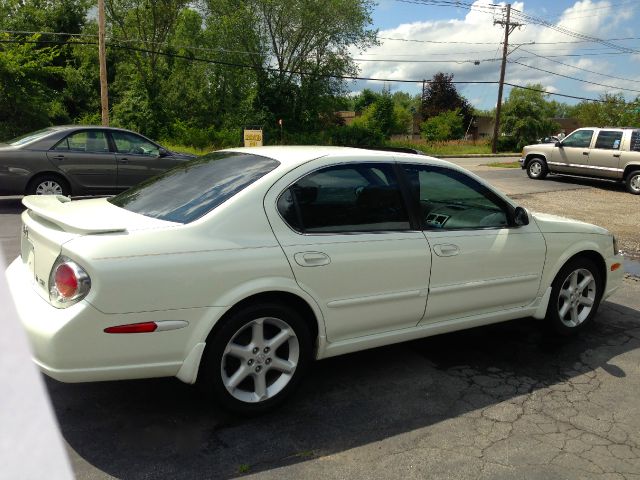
x=503, y=401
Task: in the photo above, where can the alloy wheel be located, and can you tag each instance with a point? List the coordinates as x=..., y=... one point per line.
x=260, y=359
x=576, y=297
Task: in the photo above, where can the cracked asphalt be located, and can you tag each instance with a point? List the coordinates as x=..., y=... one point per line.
x=505, y=401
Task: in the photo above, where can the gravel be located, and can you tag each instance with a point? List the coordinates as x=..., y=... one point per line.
x=612, y=208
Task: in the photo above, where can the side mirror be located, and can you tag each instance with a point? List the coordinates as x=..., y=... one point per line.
x=520, y=217
x=162, y=152
x=558, y=144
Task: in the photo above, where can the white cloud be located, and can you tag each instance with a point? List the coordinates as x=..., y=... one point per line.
x=588, y=17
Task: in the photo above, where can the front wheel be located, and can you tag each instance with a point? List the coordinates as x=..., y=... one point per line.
x=257, y=358
x=575, y=296
x=632, y=182
x=537, y=169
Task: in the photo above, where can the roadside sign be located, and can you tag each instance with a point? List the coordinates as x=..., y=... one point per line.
x=253, y=138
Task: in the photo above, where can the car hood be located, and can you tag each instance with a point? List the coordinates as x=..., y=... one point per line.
x=556, y=224
x=86, y=217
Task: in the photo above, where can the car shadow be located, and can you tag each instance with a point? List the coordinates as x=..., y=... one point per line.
x=609, y=185
x=162, y=428
x=11, y=205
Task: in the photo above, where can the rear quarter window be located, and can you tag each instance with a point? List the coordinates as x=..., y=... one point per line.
x=193, y=189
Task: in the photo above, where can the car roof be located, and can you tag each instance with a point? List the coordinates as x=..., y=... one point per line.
x=292, y=156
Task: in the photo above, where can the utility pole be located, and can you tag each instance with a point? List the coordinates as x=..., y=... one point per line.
x=508, y=28
x=104, y=90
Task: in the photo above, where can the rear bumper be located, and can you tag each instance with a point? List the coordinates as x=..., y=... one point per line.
x=70, y=344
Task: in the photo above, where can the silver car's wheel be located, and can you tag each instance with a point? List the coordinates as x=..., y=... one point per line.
x=633, y=182
x=48, y=187
x=576, y=298
x=256, y=357
x=260, y=360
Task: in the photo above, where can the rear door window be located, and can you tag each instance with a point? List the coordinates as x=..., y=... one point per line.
x=345, y=198
x=609, y=139
x=88, y=141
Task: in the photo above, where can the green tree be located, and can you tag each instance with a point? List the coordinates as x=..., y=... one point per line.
x=612, y=110
x=385, y=116
x=297, y=49
x=526, y=115
x=441, y=95
x=27, y=102
x=444, y=126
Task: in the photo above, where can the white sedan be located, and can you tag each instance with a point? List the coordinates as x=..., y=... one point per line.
x=237, y=269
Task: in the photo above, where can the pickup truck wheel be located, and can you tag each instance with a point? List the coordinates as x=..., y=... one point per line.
x=537, y=169
x=633, y=182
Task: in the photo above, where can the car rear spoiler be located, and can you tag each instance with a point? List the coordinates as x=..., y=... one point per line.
x=53, y=208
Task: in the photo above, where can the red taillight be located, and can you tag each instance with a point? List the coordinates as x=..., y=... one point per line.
x=145, y=327
x=66, y=281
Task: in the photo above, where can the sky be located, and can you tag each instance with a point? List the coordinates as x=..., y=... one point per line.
x=565, y=44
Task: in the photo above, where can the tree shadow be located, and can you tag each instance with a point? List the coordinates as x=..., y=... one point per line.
x=163, y=429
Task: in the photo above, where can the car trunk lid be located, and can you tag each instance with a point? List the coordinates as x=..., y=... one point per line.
x=51, y=221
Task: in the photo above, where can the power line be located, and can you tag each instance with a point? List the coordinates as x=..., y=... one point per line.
x=566, y=31
x=582, y=69
x=573, y=78
x=296, y=72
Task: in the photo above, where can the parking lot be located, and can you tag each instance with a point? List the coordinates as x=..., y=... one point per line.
x=504, y=401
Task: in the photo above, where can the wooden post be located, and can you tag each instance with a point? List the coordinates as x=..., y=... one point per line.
x=104, y=89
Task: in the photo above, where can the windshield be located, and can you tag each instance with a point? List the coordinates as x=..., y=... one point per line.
x=30, y=137
x=194, y=188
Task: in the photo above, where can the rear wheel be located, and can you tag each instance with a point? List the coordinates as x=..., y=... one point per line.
x=537, y=169
x=256, y=358
x=575, y=296
x=632, y=182
x=48, y=185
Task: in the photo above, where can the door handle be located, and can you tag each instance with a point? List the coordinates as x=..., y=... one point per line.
x=58, y=157
x=585, y=153
x=312, y=259
x=123, y=160
x=446, y=250
x=617, y=155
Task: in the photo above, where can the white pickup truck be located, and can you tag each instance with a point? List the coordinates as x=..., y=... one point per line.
x=611, y=153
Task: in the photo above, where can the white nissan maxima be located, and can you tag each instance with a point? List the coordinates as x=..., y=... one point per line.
x=236, y=269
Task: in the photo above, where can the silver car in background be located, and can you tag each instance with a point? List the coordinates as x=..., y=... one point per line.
x=81, y=160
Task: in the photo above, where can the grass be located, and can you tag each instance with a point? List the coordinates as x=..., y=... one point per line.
x=186, y=149
x=504, y=164
x=455, y=147
x=244, y=468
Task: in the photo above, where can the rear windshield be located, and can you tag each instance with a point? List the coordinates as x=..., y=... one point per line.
x=193, y=189
x=30, y=137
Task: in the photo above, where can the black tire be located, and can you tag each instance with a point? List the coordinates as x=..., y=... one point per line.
x=218, y=362
x=48, y=183
x=573, y=322
x=537, y=169
x=632, y=182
